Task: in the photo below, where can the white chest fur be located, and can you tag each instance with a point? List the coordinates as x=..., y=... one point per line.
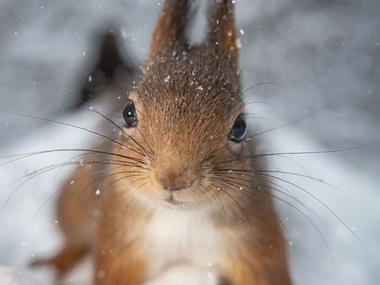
x=190, y=237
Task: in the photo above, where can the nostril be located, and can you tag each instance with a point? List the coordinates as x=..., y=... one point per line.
x=170, y=188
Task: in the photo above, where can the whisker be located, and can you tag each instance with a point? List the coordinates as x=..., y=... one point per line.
x=55, y=194
x=45, y=170
x=299, y=211
x=305, y=152
x=274, y=217
x=72, y=126
x=72, y=150
x=292, y=122
x=129, y=58
x=319, y=201
x=71, y=159
x=217, y=153
x=142, y=185
x=220, y=201
x=285, y=191
x=101, y=115
x=259, y=84
x=122, y=178
x=248, y=186
x=257, y=118
x=260, y=102
x=48, y=200
x=296, y=162
x=276, y=171
x=103, y=178
x=204, y=194
x=237, y=203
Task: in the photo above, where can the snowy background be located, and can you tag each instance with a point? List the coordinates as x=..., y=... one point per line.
x=324, y=53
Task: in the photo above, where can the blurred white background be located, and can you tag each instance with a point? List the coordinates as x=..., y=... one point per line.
x=321, y=52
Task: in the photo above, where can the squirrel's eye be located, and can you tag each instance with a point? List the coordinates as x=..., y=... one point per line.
x=129, y=115
x=238, y=130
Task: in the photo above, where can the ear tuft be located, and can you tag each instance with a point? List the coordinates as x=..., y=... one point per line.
x=171, y=25
x=221, y=31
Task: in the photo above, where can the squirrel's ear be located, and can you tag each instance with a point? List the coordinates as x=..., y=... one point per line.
x=171, y=25
x=221, y=30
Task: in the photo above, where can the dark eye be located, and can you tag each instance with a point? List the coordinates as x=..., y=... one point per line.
x=238, y=130
x=129, y=115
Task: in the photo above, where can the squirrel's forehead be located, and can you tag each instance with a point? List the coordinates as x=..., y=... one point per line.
x=220, y=104
x=187, y=90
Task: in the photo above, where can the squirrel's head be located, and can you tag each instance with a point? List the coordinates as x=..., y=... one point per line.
x=184, y=120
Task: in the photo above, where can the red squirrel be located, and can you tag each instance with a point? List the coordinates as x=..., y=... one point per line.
x=182, y=191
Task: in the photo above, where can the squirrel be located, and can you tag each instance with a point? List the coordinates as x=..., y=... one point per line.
x=182, y=190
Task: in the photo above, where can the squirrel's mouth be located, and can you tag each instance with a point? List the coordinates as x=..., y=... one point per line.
x=174, y=202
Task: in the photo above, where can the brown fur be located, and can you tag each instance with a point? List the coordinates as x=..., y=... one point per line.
x=187, y=100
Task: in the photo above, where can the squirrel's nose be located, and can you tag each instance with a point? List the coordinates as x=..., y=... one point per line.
x=174, y=180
